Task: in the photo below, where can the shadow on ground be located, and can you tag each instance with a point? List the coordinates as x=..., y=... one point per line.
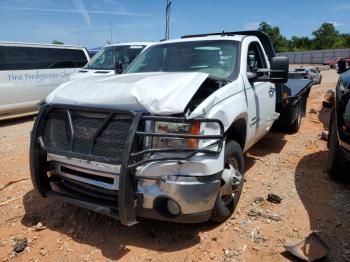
x=327, y=203
x=105, y=233
x=273, y=142
x=16, y=121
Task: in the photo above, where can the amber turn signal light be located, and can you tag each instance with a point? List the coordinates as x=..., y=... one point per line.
x=194, y=130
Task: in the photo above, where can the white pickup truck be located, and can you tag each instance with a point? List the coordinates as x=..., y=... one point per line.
x=111, y=59
x=166, y=139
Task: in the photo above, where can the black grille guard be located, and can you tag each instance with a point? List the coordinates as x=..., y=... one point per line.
x=131, y=158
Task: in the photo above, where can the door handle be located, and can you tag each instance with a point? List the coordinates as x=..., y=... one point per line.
x=272, y=90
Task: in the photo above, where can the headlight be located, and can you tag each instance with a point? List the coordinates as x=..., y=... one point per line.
x=176, y=128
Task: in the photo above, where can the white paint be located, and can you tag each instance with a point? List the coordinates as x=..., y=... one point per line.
x=156, y=93
x=97, y=72
x=25, y=88
x=91, y=73
x=21, y=90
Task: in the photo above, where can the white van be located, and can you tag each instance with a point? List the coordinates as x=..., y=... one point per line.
x=29, y=72
x=106, y=60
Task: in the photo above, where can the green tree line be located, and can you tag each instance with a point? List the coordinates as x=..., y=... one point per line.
x=57, y=42
x=325, y=37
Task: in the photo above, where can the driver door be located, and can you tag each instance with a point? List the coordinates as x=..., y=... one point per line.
x=264, y=91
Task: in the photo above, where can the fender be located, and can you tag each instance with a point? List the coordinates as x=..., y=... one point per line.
x=228, y=104
x=231, y=93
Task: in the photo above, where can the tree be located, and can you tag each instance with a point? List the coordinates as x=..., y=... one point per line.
x=300, y=43
x=346, y=38
x=326, y=37
x=280, y=43
x=57, y=42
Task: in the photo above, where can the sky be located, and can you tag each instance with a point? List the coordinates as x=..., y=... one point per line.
x=88, y=22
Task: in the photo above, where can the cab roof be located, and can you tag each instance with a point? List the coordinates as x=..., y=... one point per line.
x=131, y=43
x=203, y=38
x=263, y=37
x=24, y=44
x=233, y=36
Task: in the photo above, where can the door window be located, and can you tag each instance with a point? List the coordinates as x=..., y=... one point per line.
x=27, y=58
x=255, y=59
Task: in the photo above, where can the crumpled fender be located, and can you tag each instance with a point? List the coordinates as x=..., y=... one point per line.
x=225, y=104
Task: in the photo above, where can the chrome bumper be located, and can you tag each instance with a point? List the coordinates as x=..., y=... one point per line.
x=192, y=184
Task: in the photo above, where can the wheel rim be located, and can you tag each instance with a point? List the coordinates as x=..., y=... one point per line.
x=232, y=181
x=299, y=116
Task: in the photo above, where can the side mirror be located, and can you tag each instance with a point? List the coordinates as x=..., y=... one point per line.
x=279, y=70
x=341, y=66
x=252, y=76
x=118, y=68
x=278, y=73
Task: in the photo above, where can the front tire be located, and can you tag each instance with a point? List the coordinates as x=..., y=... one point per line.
x=336, y=161
x=226, y=201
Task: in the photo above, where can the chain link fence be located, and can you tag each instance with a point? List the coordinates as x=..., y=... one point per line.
x=315, y=56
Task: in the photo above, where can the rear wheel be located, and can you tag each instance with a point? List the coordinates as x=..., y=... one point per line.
x=231, y=183
x=336, y=161
x=294, y=128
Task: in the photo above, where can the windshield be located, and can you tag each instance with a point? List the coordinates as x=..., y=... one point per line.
x=108, y=56
x=216, y=58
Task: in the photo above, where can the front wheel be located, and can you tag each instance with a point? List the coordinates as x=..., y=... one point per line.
x=231, y=183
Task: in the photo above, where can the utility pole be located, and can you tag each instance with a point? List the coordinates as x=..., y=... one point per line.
x=110, y=30
x=167, y=19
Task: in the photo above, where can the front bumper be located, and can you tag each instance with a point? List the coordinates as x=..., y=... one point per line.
x=143, y=213
x=135, y=187
x=95, y=186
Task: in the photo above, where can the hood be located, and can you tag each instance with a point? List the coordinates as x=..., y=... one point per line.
x=91, y=72
x=157, y=93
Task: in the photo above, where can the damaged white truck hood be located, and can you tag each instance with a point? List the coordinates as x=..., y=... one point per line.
x=157, y=93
